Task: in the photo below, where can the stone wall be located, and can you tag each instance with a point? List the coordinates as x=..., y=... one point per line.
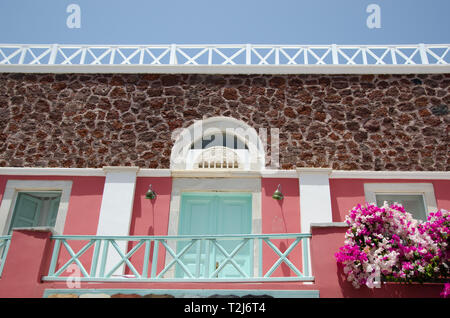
x=349, y=122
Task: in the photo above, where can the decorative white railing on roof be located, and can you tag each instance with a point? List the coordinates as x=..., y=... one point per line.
x=224, y=54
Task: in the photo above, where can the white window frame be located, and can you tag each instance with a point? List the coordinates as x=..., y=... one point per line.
x=182, y=156
x=13, y=187
x=424, y=189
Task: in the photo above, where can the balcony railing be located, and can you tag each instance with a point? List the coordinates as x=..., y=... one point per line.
x=250, y=257
x=4, y=246
x=224, y=54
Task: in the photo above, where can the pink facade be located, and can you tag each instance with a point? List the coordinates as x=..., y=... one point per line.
x=121, y=179
x=151, y=217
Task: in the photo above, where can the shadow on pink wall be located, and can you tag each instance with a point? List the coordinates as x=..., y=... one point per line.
x=150, y=217
x=281, y=216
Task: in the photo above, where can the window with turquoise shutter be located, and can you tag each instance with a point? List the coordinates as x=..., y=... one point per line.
x=33, y=209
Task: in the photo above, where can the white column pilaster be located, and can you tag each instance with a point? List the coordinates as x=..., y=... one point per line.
x=116, y=208
x=315, y=197
x=315, y=201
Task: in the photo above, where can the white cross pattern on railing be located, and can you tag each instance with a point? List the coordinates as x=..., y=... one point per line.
x=215, y=251
x=224, y=54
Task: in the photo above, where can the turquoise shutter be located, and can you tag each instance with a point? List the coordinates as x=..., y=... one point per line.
x=53, y=213
x=27, y=211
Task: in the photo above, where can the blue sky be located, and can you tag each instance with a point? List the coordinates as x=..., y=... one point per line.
x=225, y=21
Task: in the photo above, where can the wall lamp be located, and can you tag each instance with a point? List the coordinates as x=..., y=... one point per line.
x=150, y=193
x=277, y=195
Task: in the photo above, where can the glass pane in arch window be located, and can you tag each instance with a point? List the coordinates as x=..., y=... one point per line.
x=220, y=139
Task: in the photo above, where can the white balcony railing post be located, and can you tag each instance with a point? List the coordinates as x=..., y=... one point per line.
x=83, y=55
x=22, y=54
x=248, y=54
x=423, y=53
x=277, y=56
x=173, y=54
x=334, y=54
x=53, y=53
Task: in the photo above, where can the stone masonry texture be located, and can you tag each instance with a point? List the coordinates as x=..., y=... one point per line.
x=346, y=122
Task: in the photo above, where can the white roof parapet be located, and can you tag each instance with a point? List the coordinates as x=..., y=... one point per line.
x=225, y=58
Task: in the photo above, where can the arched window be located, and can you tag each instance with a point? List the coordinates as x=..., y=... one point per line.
x=218, y=143
x=220, y=139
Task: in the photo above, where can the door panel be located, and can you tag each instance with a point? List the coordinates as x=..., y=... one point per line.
x=234, y=217
x=215, y=213
x=195, y=219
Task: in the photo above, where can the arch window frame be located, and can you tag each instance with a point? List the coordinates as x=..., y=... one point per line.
x=183, y=157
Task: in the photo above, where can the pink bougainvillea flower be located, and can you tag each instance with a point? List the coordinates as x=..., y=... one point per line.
x=388, y=240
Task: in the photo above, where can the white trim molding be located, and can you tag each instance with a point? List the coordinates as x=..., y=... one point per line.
x=154, y=173
x=364, y=174
x=78, y=172
x=120, y=169
x=26, y=171
x=425, y=189
x=331, y=224
x=215, y=173
x=227, y=69
x=326, y=171
x=265, y=173
x=274, y=173
x=14, y=186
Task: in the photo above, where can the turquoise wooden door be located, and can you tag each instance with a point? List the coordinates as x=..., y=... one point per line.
x=203, y=213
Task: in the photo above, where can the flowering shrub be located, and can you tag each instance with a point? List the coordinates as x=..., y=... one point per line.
x=387, y=243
